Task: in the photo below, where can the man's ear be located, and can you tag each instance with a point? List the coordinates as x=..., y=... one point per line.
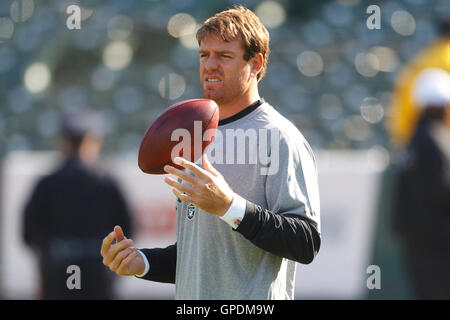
x=256, y=64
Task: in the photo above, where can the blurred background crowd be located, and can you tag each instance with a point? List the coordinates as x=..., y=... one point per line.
x=344, y=85
x=328, y=73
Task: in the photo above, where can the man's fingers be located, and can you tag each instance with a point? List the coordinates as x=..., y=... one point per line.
x=114, y=249
x=195, y=169
x=119, y=233
x=106, y=244
x=114, y=265
x=180, y=186
x=183, y=196
x=180, y=174
x=123, y=267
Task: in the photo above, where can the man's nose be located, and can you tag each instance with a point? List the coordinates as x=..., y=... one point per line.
x=210, y=63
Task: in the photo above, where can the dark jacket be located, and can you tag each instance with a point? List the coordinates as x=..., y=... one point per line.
x=65, y=220
x=422, y=202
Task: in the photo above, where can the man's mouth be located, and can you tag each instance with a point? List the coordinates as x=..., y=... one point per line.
x=212, y=80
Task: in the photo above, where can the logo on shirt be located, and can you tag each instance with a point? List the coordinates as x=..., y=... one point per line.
x=190, y=211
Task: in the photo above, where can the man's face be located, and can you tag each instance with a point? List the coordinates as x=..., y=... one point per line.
x=224, y=73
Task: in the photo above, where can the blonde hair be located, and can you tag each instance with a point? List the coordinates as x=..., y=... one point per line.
x=239, y=23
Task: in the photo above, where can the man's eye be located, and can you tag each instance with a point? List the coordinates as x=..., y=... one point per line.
x=225, y=56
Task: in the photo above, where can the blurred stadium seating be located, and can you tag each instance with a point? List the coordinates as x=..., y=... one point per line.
x=328, y=72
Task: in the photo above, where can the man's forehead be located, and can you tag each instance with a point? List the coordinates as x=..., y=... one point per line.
x=216, y=43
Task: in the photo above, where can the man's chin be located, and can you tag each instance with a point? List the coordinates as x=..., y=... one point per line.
x=212, y=96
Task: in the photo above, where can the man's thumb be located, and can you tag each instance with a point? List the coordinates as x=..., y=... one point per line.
x=208, y=166
x=119, y=233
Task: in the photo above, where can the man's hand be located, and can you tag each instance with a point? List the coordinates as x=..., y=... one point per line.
x=119, y=233
x=208, y=190
x=121, y=257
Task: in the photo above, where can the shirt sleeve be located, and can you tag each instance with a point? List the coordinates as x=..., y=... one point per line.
x=35, y=230
x=147, y=266
x=290, y=225
x=289, y=236
x=294, y=188
x=163, y=263
x=236, y=212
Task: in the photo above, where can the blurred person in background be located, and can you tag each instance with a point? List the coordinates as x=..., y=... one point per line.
x=422, y=202
x=404, y=109
x=69, y=212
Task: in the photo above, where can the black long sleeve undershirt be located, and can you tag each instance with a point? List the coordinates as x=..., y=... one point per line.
x=289, y=236
x=162, y=263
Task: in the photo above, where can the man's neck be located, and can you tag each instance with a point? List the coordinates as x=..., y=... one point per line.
x=234, y=107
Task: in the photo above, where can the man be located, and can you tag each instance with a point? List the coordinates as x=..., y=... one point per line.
x=69, y=212
x=242, y=225
x=422, y=205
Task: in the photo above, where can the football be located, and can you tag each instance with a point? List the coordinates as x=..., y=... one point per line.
x=184, y=129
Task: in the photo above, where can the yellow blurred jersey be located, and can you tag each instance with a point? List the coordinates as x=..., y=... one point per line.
x=403, y=110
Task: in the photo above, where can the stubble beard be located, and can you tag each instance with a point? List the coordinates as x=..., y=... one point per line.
x=223, y=96
x=218, y=96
